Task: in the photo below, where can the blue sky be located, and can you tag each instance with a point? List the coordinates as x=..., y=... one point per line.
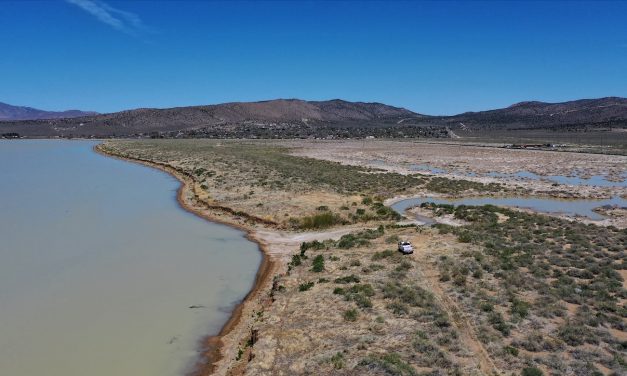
x=430, y=57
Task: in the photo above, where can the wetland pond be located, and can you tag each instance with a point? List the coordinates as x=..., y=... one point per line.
x=582, y=208
x=574, y=207
x=595, y=180
x=101, y=271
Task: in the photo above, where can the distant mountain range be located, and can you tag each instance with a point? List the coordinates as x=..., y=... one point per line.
x=583, y=112
x=285, y=118
x=9, y=112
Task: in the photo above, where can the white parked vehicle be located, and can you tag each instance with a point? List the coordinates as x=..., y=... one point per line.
x=405, y=248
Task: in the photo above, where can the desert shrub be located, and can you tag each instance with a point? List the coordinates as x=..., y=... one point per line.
x=464, y=237
x=350, y=315
x=373, y=268
x=361, y=300
x=398, y=308
x=385, y=212
x=511, y=350
x=397, y=274
x=532, y=371
x=347, y=279
x=431, y=356
x=392, y=239
x=305, y=286
x=498, y=322
x=549, y=307
x=390, y=364
x=579, y=273
x=459, y=279
x=445, y=185
x=383, y=254
x=296, y=260
x=316, y=245
x=318, y=264
x=365, y=289
x=535, y=342
x=358, y=293
x=358, y=239
x=519, y=308
x=477, y=273
x=404, y=266
x=486, y=306
x=415, y=296
x=576, y=334
x=322, y=220
x=443, y=229
x=338, y=361
x=350, y=241
x=618, y=361
x=441, y=320
x=447, y=337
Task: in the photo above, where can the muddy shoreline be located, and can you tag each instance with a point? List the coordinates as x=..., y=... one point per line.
x=212, y=346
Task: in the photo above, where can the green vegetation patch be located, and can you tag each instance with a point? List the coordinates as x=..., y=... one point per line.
x=450, y=186
x=319, y=221
x=351, y=315
x=358, y=293
x=540, y=264
x=391, y=364
x=348, y=279
x=359, y=239
x=318, y=264
x=305, y=286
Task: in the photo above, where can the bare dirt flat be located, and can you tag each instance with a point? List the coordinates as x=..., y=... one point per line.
x=472, y=162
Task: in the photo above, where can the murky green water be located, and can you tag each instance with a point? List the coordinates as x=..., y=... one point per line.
x=99, y=266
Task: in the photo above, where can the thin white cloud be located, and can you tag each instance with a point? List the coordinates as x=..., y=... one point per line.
x=118, y=19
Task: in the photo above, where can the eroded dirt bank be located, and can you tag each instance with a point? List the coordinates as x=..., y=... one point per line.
x=218, y=351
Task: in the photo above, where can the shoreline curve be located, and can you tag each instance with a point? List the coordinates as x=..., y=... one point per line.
x=211, y=345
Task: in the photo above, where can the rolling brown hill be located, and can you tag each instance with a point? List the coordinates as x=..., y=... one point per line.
x=221, y=118
x=526, y=115
x=9, y=112
x=294, y=118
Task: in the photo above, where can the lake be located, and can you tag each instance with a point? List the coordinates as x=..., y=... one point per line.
x=99, y=266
